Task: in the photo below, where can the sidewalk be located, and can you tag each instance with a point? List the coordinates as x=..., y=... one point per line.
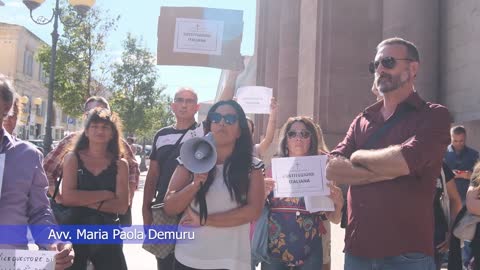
x=137, y=258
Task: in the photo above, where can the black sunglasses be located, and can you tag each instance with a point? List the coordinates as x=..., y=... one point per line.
x=387, y=62
x=216, y=118
x=305, y=134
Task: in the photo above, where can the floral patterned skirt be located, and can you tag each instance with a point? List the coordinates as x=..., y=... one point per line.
x=292, y=235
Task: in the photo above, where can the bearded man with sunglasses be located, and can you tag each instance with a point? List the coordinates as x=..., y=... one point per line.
x=390, y=157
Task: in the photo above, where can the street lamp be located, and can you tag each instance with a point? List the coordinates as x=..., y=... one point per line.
x=81, y=6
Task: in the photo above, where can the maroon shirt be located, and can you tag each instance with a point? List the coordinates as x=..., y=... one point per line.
x=393, y=217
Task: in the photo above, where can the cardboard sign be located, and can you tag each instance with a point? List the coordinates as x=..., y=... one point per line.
x=318, y=203
x=195, y=36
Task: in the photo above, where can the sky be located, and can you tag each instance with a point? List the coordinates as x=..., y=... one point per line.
x=140, y=18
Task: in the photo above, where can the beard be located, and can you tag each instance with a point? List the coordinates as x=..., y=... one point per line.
x=386, y=83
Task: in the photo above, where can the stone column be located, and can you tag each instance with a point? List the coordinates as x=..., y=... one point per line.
x=267, y=46
x=417, y=21
x=307, y=66
x=346, y=43
x=277, y=65
x=288, y=58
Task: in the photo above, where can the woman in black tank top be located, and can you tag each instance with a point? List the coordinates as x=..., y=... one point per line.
x=95, y=183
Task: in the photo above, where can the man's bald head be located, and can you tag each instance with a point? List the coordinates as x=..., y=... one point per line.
x=186, y=89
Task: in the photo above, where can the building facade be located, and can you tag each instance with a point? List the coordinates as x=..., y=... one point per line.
x=18, y=49
x=315, y=55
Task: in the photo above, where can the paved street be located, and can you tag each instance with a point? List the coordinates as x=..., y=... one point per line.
x=136, y=256
x=337, y=247
x=139, y=259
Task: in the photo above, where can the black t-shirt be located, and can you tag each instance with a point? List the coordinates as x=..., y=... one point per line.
x=166, y=156
x=449, y=175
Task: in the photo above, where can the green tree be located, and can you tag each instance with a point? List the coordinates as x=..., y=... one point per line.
x=156, y=117
x=136, y=96
x=80, y=50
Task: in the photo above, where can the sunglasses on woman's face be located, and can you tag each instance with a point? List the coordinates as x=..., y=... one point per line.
x=216, y=118
x=387, y=62
x=304, y=134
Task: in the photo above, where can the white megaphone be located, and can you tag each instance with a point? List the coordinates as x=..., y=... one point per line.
x=199, y=154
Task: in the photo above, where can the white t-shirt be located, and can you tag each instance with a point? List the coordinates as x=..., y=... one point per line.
x=215, y=247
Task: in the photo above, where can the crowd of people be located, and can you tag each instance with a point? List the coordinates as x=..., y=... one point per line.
x=407, y=177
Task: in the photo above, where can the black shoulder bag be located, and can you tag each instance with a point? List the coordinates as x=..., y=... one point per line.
x=63, y=214
x=372, y=140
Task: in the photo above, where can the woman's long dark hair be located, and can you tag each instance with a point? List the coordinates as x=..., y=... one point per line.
x=237, y=166
x=101, y=115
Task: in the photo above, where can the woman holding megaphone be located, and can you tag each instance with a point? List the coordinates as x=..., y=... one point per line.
x=219, y=205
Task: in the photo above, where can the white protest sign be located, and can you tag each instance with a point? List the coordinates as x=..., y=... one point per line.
x=198, y=36
x=318, y=203
x=300, y=176
x=13, y=259
x=254, y=99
